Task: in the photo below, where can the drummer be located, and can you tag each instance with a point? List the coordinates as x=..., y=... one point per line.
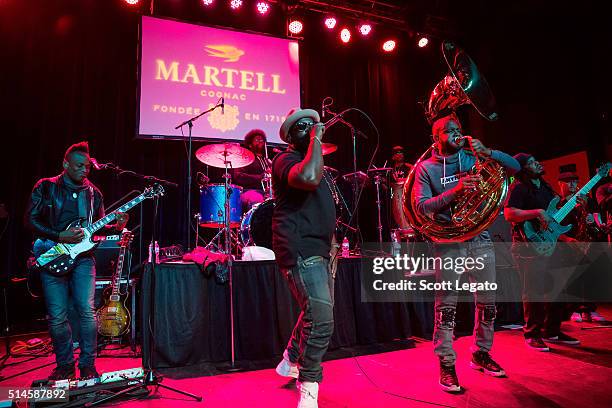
x=400, y=167
x=252, y=177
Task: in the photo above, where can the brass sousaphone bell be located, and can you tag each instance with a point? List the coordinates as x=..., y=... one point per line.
x=472, y=213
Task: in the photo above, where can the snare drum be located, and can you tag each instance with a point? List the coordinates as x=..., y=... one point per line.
x=212, y=206
x=256, y=226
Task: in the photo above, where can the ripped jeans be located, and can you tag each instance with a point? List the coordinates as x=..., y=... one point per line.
x=312, y=287
x=446, y=300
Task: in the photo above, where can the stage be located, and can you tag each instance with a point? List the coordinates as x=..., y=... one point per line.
x=565, y=377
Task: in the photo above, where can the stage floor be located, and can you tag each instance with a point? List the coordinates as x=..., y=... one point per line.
x=565, y=377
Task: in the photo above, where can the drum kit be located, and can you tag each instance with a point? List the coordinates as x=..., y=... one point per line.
x=221, y=207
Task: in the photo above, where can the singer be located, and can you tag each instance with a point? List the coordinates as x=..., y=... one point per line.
x=302, y=229
x=55, y=203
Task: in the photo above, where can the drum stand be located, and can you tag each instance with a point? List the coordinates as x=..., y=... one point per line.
x=215, y=242
x=228, y=251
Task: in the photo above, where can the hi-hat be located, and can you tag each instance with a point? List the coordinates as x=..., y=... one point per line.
x=218, y=155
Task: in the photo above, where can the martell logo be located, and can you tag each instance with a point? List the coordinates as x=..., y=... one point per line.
x=228, y=52
x=224, y=122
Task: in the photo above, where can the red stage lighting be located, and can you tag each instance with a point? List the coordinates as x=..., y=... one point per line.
x=262, y=7
x=207, y=2
x=345, y=35
x=236, y=4
x=365, y=29
x=295, y=26
x=131, y=2
x=388, y=46
x=330, y=22
x=423, y=41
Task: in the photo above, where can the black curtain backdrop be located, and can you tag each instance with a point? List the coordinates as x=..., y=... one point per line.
x=68, y=72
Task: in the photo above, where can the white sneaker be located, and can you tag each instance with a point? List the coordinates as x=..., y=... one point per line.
x=596, y=317
x=309, y=392
x=286, y=368
x=576, y=317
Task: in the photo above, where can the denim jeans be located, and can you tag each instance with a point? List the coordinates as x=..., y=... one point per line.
x=312, y=286
x=446, y=300
x=79, y=285
x=542, y=314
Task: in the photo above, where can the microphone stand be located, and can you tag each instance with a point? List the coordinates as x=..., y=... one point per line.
x=189, y=123
x=338, y=117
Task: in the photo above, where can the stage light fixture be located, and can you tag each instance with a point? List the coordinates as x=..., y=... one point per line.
x=132, y=2
x=295, y=26
x=263, y=7
x=208, y=2
x=365, y=29
x=388, y=46
x=345, y=35
x=330, y=22
x=423, y=41
x=236, y=4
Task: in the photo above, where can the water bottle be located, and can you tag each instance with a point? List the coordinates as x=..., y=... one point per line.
x=150, y=259
x=345, y=248
x=396, y=245
x=156, y=252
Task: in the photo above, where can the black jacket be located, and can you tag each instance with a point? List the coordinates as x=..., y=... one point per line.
x=46, y=202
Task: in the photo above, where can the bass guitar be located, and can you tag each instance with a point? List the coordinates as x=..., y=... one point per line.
x=59, y=258
x=544, y=241
x=114, y=317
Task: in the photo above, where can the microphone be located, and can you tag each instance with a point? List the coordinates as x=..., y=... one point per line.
x=97, y=165
x=222, y=105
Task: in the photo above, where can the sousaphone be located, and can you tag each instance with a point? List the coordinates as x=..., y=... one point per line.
x=473, y=212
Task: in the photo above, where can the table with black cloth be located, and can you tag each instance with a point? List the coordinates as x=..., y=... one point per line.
x=188, y=322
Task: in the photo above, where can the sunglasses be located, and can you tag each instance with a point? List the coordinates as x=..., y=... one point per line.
x=303, y=126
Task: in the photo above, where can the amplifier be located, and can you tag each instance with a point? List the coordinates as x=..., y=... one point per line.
x=106, y=254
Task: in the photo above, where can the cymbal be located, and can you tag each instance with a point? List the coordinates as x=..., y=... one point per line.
x=328, y=148
x=217, y=155
x=379, y=169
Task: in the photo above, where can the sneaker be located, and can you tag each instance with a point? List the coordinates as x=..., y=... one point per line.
x=88, y=372
x=576, y=317
x=309, y=393
x=286, y=368
x=597, y=317
x=448, y=379
x=536, y=344
x=586, y=317
x=62, y=372
x=563, y=338
x=481, y=360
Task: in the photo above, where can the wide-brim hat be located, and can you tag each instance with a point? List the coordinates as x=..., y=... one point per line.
x=293, y=116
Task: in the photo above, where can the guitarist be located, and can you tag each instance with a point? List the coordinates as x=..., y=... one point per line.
x=528, y=199
x=55, y=203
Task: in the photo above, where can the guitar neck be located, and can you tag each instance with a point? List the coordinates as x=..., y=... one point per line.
x=118, y=270
x=571, y=203
x=111, y=217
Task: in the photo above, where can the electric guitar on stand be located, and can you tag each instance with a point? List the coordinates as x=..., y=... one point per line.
x=59, y=258
x=114, y=317
x=544, y=241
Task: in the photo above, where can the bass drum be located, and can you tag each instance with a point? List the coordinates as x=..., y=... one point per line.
x=256, y=226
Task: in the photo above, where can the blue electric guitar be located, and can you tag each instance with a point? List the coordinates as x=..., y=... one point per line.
x=545, y=241
x=59, y=258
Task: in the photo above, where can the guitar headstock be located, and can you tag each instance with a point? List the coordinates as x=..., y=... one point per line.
x=126, y=238
x=155, y=191
x=604, y=169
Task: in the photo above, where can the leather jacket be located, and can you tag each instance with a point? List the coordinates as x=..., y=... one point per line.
x=45, y=207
